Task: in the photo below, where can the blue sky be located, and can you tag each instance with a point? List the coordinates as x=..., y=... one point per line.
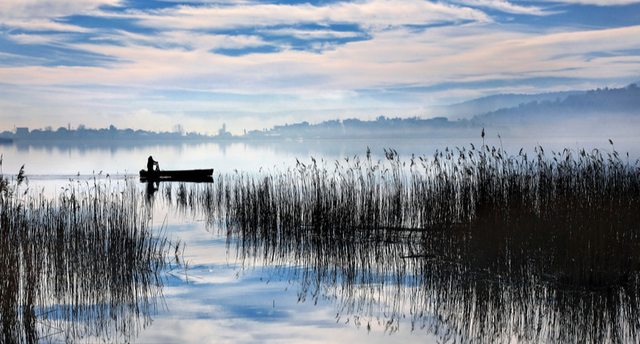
x=253, y=64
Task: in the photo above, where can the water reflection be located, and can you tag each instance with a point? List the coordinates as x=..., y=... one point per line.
x=150, y=189
x=378, y=281
x=86, y=266
x=127, y=157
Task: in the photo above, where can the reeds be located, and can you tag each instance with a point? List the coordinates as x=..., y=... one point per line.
x=488, y=246
x=575, y=214
x=82, y=265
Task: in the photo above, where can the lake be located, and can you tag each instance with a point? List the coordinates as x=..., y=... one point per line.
x=233, y=280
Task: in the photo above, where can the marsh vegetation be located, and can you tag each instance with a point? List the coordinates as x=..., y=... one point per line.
x=474, y=244
x=85, y=265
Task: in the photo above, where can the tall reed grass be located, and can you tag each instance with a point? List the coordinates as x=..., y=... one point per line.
x=83, y=265
x=475, y=244
x=575, y=214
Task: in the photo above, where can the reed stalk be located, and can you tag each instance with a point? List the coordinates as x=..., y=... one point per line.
x=82, y=265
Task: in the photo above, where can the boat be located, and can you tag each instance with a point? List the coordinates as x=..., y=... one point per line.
x=178, y=175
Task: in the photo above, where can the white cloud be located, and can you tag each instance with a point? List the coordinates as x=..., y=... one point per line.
x=227, y=2
x=371, y=14
x=43, y=25
x=593, y=2
x=446, y=54
x=311, y=34
x=35, y=39
x=183, y=39
x=505, y=6
x=25, y=9
x=573, y=43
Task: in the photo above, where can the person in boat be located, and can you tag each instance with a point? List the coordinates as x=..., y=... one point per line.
x=151, y=163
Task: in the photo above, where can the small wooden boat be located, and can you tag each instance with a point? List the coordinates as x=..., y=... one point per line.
x=177, y=175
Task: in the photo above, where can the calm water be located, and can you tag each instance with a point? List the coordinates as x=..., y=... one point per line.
x=126, y=158
x=228, y=289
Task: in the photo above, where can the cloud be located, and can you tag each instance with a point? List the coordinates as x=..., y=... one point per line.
x=505, y=6
x=581, y=42
x=226, y=2
x=593, y=2
x=451, y=54
x=43, y=25
x=187, y=40
x=371, y=14
x=399, y=56
x=311, y=34
x=25, y=9
x=35, y=39
x=474, y=53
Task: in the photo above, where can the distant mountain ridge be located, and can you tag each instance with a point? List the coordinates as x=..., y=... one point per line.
x=614, y=111
x=614, y=101
x=470, y=108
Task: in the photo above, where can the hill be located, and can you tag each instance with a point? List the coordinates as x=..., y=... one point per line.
x=470, y=108
x=596, y=113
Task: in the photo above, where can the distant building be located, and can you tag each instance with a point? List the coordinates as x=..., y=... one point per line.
x=22, y=131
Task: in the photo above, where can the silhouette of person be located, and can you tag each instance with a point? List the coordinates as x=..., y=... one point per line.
x=151, y=163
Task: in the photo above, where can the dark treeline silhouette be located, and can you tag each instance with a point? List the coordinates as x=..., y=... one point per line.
x=382, y=127
x=82, y=133
x=614, y=105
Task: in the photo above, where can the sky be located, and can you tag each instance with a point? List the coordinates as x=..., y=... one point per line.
x=152, y=64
